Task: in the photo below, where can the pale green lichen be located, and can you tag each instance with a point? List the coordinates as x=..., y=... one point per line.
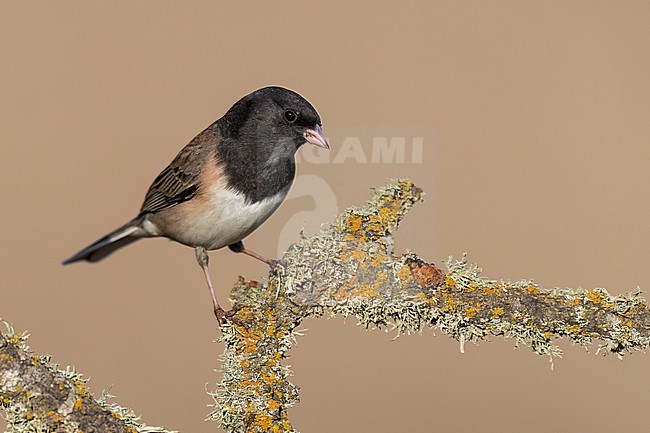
x=38, y=396
x=130, y=419
x=349, y=268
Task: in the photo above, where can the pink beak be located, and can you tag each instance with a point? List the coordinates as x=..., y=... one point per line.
x=316, y=137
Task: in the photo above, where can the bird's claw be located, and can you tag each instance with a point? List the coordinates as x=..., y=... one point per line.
x=223, y=316
x=273, y=264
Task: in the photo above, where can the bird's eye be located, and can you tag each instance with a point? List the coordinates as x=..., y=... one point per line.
x=290, y=116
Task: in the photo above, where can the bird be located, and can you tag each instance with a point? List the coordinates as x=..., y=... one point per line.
x=225, y=182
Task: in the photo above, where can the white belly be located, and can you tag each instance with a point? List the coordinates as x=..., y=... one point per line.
x=219, y=218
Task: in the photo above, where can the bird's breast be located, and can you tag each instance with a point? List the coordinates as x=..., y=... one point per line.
x=217, y=217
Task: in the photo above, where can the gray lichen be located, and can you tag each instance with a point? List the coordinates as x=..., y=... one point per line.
x=349, y=268
x=38, y=396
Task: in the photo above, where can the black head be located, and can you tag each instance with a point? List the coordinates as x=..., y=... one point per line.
x=259, y=138
x=274, y=116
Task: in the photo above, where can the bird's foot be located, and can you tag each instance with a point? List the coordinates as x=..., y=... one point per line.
x=224, y=316
x=221, y=314
x=273, y=264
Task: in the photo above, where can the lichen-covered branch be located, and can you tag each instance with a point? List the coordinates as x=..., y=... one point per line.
x=349, y=268
x=37, y=396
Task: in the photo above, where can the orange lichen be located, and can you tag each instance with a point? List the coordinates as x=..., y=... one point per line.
x=574, y=329
x=249, y=339
x=273, y=405
x=363, y=291
x=404, y=274
x=532, y=289
x=572, y=301
x=594, y=297
x=81, y=388
x=263, y=421
x=55, y=417
x=381, y=278
x=352, y=223
x=497, y=312
x=389, y=214
x=489, y=290
x=340, y=293
x=451, y=304
x=78, y=404
x=379, y=258
x=423, y=297
x=375, y=223
x=471, y=311
x=358, y=255
x=450, y=281
x=268, y=377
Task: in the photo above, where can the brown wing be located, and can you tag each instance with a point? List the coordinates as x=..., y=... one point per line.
x=180, y=180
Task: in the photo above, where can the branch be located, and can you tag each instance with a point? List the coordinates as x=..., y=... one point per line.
x=37, y=396
x=347, y=268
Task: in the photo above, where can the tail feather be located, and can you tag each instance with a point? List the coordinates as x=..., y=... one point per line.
x=117, y=239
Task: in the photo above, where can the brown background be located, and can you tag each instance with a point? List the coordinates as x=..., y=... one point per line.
x=535, y=163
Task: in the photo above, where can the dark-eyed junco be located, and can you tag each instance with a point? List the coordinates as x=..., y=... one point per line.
x=226, y=182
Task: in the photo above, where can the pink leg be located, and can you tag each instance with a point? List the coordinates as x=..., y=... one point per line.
x=240, y=248
x=259, y=257
x=202, y=258
x=218, y=311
